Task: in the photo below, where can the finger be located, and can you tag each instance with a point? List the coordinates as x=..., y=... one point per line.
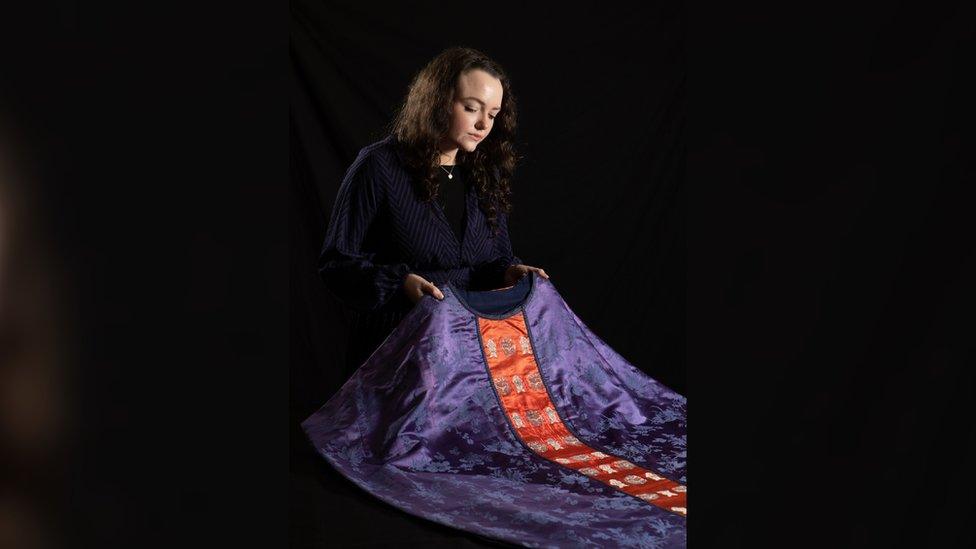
x=433, y=290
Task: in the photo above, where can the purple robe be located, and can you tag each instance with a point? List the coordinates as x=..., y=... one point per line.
x=424, y=426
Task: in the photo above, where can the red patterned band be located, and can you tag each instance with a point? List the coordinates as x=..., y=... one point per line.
x=523, y=395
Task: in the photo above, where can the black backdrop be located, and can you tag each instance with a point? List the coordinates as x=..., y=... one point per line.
x=598, y=200
x=831, y=267
x=829, y=256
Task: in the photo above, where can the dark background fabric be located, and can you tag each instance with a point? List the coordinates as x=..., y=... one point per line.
x=830, y=274
x=603, y=216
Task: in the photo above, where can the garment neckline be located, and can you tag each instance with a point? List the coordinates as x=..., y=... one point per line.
x=519, y=307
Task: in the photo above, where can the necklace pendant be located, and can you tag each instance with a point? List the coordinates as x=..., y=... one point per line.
x=450, y=176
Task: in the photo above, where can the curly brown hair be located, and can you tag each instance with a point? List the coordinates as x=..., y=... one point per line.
x=425, y=116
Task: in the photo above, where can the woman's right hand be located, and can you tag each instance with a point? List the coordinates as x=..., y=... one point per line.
x=416, y=286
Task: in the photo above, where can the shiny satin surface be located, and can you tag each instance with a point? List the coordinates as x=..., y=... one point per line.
x=421, y=426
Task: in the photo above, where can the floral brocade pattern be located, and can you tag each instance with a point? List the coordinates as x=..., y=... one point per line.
x=423, y=425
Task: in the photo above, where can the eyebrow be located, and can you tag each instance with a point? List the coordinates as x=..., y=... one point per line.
x=482, y=102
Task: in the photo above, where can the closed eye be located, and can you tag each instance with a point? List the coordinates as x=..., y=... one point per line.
x=469, y=109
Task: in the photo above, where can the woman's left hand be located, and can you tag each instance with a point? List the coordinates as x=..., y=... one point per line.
x=515, y=272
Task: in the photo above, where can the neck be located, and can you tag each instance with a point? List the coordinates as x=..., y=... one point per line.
x=448, y=152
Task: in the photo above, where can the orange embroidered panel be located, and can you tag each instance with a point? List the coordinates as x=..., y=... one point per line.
x=523, y=395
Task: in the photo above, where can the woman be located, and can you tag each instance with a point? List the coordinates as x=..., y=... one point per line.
x=496, y=411
x=428, y=204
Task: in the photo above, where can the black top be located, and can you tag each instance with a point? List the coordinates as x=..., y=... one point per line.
x=451, y=197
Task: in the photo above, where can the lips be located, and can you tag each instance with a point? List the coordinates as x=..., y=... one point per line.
x=476, y=137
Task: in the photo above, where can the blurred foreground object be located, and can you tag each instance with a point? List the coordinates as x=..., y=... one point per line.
x=32, y=384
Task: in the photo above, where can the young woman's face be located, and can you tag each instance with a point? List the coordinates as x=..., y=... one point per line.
x=477, y=101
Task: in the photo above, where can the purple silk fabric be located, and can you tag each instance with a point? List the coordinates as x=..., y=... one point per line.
x=418, y=425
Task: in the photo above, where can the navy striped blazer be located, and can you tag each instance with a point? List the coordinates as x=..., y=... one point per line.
x=380, y=230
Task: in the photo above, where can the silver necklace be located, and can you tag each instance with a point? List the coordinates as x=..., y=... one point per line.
x=450, y=175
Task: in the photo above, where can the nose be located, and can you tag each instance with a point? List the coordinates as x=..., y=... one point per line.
x=482, y=122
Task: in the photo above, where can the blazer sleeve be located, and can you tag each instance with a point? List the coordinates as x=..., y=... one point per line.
x=492, y=272
x=349, y=272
